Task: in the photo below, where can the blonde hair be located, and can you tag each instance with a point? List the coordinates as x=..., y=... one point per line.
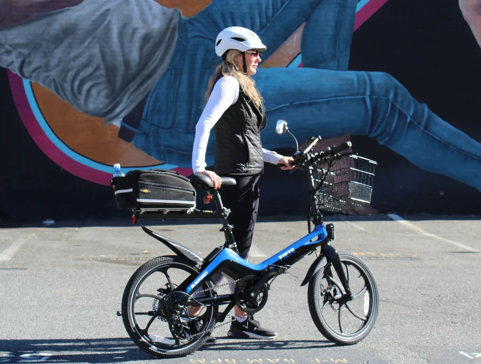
x=228, y=68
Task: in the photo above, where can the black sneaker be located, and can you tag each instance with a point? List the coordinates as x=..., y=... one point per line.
x=195, y=327
x=250, y=328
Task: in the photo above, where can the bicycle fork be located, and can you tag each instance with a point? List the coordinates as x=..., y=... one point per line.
x=333, y=257
x=329, y=255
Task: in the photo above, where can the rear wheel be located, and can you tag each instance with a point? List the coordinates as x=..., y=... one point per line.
x=151, y=314
x=343, y=321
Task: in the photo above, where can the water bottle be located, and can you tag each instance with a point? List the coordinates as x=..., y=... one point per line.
x=117, y=171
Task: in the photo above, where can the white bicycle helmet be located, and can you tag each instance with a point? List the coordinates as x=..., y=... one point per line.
x=238, y=38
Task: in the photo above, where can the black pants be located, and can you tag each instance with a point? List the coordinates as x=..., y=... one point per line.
x=243, y=201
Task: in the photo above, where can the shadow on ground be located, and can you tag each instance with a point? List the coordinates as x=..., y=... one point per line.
x=119, y=350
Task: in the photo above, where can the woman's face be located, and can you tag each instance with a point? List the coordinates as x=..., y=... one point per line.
x=253, y=58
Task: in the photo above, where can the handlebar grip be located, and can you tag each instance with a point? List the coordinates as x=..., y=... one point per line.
x=339, y=148
x=291, y=162
x=279, y=165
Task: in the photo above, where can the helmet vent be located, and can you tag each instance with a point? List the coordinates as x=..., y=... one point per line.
x=220, y=40
x=239, y=39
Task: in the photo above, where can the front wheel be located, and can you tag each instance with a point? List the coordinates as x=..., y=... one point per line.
x=341, y=320
x=151, y=312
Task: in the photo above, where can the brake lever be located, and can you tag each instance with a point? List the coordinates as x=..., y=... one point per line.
x=290, y=171
x=296, y=156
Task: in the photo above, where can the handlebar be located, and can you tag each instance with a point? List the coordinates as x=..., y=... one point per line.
x=329, y=155
x=329, y=176
x=306, y=156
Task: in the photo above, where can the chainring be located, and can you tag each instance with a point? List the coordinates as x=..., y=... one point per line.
x=243, y=299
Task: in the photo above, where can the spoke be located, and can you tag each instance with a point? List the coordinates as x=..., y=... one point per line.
x=145, y=332
x=148, y=295
x=340, y=318
x=148, y=313
x=164, y=270
x=359, y=293
x=171, y=285
x=347, y=274
x=324, y=305
x=351, y=311
x=148, y=325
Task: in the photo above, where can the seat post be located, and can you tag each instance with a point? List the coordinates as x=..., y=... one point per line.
x=226, y=228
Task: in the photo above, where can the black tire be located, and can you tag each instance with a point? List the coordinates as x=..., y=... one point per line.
x=344, y=323
x=145, y=325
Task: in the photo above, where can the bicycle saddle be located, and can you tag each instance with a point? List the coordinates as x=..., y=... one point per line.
x=200, y=180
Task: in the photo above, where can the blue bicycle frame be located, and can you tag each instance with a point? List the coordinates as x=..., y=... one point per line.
x=227, y=261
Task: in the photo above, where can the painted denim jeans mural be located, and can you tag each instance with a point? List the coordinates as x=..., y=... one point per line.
x=141, y=68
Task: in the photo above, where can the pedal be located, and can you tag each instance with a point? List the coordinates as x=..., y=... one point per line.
x=119, y=313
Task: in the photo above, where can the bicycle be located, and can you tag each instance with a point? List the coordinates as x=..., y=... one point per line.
x=342, y=293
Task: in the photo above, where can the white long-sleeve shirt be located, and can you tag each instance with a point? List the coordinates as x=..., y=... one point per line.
x=224, y=94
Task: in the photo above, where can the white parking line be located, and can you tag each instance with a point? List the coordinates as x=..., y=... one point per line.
x=425, y=233
x=355, y=225
x=8, y=253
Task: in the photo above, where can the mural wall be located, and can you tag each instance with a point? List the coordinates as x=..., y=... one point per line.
x=87, y=83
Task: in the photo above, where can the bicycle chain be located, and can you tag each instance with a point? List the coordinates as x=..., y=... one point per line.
x=227, y=317
x=227, y=321
x=216, y=326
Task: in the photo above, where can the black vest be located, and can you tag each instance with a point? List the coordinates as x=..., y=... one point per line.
x=238, y=138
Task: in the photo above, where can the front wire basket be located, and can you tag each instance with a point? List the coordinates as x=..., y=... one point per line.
x=345, y=184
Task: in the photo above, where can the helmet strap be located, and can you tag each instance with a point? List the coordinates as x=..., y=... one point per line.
x=244, y=60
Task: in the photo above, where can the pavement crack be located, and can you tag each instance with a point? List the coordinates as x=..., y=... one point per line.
x=82, y=224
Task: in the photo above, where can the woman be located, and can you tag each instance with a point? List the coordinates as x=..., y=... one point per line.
x=235, y=111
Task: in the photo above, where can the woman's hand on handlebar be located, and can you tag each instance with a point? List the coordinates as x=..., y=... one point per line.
x=286, y=163
x=213, y=177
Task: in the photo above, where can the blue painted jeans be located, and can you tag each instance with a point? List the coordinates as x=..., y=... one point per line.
x=322, y=98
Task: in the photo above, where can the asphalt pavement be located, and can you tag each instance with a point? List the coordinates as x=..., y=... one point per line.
x=61, y=284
